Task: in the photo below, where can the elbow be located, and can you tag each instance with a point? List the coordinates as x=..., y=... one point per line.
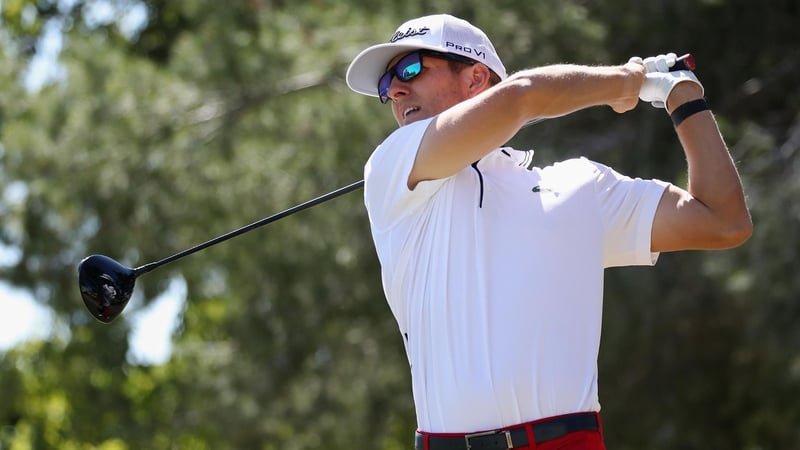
x=531, y=95
x=736, y=233
x=745, y=230
x=520, y=93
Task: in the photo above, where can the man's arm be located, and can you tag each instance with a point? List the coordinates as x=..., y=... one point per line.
x=711, y=213
x=469, y=130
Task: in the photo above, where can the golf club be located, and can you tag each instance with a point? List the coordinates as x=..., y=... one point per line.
x=106, y=285
x=685, y=62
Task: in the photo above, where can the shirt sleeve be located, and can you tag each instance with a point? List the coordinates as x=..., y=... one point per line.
x=386, y=193
x=628, y=207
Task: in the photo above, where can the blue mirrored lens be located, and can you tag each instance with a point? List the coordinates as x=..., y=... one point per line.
x=406, y=69
x=410, y=71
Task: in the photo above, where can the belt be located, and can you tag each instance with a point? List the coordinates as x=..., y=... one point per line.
x=512, y=437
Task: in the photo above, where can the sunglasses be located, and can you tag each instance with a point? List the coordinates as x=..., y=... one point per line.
x=410, y=67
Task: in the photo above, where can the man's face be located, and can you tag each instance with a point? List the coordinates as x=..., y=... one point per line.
x=434, y=90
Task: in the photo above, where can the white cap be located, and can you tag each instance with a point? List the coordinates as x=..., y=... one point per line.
x=441, y=32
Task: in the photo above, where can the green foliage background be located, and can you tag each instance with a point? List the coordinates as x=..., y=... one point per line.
x=209, y=115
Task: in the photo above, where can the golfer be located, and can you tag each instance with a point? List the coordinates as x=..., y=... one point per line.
x=492, y=265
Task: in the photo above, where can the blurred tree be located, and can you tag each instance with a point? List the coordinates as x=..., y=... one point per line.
x=201, y=117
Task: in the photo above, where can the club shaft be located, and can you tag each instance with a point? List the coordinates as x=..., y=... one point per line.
x=331, y=195
x=685, y=62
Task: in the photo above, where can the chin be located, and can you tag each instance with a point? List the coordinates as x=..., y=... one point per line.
x=413, y=118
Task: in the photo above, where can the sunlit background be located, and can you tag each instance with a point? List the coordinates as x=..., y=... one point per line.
x=139, y=128
x=21, y=317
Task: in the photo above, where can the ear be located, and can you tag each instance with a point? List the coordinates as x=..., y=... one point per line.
x=479, y=78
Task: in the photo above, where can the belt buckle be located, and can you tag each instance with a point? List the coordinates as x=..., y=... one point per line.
x=509, y=442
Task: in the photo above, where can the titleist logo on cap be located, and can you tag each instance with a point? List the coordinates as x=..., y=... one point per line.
x=408, y=33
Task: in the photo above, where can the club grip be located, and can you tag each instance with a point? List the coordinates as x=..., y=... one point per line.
x=685, y=62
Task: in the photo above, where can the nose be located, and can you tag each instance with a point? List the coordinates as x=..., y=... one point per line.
x=397, y=88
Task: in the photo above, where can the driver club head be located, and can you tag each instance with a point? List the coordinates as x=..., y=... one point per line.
x=106, y=286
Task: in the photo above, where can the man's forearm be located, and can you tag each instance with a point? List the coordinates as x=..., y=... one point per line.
x=561, y=89
x=713, y=179
x=467, y=131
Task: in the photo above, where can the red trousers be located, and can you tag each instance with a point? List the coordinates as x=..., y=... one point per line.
x=575, y=440
x=578, y=440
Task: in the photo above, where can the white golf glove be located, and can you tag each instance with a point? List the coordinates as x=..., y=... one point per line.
x=659, y=81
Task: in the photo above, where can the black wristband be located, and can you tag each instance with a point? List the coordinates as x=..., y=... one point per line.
x=687, y=109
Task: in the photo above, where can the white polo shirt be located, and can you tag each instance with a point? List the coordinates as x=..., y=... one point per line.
x=495, y=278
